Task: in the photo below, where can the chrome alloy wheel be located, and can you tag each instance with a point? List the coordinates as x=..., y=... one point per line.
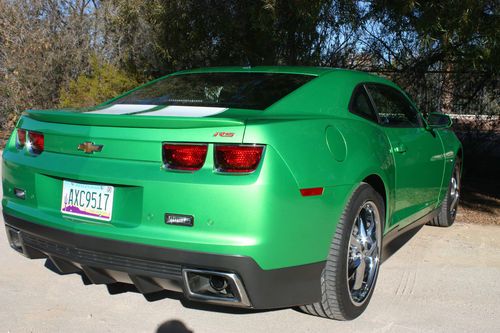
x=454, y=192
x=363, y=258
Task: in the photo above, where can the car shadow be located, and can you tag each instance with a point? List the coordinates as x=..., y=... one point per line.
x=120, y=288
x=390, y=249
x=481, y=195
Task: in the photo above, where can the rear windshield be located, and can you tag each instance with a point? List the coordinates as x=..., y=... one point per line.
x=229, y=90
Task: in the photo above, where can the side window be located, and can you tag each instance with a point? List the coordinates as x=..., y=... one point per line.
x=393, y=108
x=360, y=104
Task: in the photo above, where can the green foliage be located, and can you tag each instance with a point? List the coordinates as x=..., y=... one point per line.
x=103, y=82
x=460, y=34
x=163, y=36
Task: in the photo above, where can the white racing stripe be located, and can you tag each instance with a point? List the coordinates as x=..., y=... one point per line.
x=124, y=109
x=185, y=111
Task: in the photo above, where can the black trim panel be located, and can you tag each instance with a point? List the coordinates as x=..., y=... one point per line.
x=266, y=289
x=104, y=260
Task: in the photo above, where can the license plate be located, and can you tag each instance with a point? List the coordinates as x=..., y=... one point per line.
x=87, y=200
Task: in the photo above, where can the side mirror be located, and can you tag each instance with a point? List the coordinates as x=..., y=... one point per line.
x=438, y=120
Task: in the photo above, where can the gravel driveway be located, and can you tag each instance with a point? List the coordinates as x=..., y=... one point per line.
x=442, y=280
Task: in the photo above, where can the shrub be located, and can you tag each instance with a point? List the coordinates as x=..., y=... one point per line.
x=103, y=82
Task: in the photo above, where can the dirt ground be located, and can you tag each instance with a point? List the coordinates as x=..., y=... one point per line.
x=486, y=210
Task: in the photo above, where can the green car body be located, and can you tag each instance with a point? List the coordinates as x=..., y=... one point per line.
x=257, y=225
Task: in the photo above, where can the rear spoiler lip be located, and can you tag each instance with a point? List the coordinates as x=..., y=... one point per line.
x=78, y=118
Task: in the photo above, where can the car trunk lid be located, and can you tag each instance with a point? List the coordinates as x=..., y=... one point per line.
x=130, y=137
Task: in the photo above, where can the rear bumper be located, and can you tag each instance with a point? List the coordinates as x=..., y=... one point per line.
x=153, y=268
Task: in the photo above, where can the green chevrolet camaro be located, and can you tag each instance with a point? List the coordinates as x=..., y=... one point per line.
x=259, y=187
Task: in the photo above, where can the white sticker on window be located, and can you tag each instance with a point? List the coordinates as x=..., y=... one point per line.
x=124, y=109
x=185, y=111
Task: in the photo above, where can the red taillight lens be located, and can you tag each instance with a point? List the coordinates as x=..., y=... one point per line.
x=21, y=138
x=237, y=158
x=36, y=142
x=188, y=157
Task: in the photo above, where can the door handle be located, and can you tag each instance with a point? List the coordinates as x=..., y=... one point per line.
x=400, y=148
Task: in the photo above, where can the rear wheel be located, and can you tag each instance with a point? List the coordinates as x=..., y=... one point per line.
x=353, y=262
x=449, y=207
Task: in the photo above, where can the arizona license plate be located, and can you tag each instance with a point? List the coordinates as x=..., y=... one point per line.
x=87, y=200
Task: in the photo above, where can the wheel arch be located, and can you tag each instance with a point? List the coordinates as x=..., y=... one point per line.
x=378, y=184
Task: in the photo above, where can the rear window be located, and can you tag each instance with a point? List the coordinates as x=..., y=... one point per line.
x=231, y=90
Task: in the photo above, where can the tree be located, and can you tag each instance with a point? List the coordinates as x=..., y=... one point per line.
x=163, y=36
x=453, y=37
x=44, y=44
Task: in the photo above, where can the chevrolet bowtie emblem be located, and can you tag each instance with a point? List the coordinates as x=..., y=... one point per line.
x=89, y=147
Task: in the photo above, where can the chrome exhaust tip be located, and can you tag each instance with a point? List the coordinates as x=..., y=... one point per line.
x=215, y=287
x=218, y=283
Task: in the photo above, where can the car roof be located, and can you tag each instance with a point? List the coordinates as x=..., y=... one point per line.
x=335, y=73
x=304, y=70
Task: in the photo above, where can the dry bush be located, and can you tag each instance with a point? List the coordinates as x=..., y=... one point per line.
x=44, y=43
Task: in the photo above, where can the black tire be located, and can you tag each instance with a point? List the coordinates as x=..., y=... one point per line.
x=448, y=210
x=336, y=300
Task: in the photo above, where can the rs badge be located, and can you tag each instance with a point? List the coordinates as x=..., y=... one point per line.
x=224, y=134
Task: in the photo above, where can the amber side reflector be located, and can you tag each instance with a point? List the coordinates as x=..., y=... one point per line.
x=307, y=192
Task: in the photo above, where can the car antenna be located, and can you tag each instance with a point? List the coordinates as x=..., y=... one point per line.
x=247, y=65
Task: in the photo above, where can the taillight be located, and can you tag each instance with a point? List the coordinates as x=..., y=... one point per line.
x=237, y=158
x=187, y=157
x=36, y=142
x=21, y=138
x=33, y=141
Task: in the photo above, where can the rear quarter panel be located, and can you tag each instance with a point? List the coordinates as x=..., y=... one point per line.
x=309, y=127
x=306, y=148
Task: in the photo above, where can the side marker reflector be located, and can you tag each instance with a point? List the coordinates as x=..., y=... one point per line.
x=307, y=192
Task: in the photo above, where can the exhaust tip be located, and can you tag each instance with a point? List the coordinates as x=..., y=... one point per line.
x=215, y=287
x=218, y=283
